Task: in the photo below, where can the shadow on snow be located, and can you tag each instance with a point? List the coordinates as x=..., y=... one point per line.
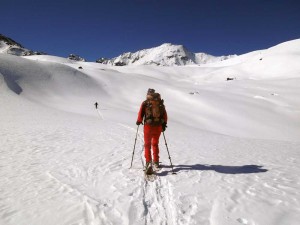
x=217, y=168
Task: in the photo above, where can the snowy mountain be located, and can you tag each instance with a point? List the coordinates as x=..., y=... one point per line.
x=76, y=58
x=164, y=55
x=9, y=46
x=233, y=144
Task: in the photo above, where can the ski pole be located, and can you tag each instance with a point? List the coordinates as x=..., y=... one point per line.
x=137, y=130
x=168, y=153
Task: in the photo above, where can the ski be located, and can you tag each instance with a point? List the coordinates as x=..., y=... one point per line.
x=156, y=168
x=150, y=174
x=150, y=177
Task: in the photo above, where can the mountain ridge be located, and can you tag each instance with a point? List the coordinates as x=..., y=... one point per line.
x=167, y=54
x=10, y=46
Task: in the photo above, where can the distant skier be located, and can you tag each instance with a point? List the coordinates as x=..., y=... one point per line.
x=96, y=105
x=154, y=115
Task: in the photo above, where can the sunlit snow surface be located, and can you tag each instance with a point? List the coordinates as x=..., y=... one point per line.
x=234, y=144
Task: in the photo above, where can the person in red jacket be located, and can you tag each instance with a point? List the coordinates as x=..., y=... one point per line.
x=153, y=113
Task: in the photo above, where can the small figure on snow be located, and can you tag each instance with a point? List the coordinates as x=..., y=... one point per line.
x=153, y=113
x=96, y=105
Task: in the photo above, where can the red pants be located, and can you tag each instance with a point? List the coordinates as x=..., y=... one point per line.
x=151, y=138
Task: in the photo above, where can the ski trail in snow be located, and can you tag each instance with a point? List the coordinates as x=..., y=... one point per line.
x=157, y=197
x=158, y=202
x=100, y=114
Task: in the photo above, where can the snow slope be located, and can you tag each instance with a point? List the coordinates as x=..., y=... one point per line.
x=234, y=144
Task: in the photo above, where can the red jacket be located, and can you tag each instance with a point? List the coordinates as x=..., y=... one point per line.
x=141, y=113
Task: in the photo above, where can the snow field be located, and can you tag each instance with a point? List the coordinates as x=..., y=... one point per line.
x=234, y=145
x=57, y=172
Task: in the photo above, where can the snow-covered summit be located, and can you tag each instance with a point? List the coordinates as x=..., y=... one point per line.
x=9, y=46
x=76, y=58
x=164, y=55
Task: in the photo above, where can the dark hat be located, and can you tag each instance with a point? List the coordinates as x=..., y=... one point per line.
x=150, y=91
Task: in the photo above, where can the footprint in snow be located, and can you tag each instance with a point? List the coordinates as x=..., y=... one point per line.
x=242, y=221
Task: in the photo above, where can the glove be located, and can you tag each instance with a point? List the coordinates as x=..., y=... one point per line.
x=164, y=126
x=138, y=123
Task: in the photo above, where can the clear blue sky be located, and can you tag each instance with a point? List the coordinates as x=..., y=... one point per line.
x=107, y=28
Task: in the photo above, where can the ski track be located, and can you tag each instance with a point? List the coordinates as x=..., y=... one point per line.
x=156, y=196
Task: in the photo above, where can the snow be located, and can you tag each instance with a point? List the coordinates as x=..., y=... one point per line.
x=165, y=55
x=234, y=144
x=12, y=49
x=9, y=46
x=3, y=47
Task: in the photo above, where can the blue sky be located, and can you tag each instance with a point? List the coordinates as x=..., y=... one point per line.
x=107, y=28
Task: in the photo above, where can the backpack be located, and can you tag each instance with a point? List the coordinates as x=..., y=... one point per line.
x=154, y=110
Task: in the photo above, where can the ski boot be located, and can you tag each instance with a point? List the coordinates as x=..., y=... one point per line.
x=148, y=168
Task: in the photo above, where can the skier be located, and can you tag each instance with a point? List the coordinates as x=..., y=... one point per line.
x=154, y=115
x=96, y=105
